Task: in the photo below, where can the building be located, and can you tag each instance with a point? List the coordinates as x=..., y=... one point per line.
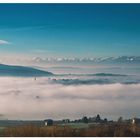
x=136, y=121
x=48, y=122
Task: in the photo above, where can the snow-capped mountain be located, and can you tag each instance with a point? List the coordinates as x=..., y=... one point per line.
x=120, y=59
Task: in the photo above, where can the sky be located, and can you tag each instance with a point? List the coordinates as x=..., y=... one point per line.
x=69, y=30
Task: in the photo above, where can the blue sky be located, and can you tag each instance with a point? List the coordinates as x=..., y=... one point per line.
x=70, y=30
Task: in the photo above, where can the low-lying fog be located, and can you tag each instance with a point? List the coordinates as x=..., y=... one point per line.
x=27, y=98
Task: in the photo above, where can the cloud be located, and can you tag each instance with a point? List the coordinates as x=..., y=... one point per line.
x=24, y=98
x=4, y=42
x=23, y=28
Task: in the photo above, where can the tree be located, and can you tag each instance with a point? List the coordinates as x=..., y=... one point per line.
x=120, y=119
x=105, y=120
x=98, y=118
x=85, y=119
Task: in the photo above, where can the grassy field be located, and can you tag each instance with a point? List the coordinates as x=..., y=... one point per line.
x=101, y=130
x=76, y=125
x=2, y=129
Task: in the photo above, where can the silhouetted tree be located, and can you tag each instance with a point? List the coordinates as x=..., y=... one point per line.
x=85, y=119
x=105, y=120
x=98, y=118
x=120, y=119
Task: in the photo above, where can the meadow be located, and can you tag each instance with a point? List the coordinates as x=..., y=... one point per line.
x=101, y=130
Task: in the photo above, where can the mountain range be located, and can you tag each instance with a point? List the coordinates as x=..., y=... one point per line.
x=119, y=59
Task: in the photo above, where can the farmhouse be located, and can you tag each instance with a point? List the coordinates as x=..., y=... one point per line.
x=136, y=121
x=48, y=122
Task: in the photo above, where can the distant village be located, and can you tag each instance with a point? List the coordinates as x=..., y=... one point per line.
x=84, y=119
x=82, y=122
x=91, y=120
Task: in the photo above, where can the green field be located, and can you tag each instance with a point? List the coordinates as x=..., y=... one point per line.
x=79, y=125
x=2, y=131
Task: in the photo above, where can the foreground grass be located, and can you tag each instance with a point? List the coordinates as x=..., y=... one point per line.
x=2, y=131
x=106, y=130
x=36, y=131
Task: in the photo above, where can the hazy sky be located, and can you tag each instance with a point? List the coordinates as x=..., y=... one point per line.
x=60, y=30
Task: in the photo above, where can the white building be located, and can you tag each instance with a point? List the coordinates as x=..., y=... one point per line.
x=48, y=122
x=136, y=121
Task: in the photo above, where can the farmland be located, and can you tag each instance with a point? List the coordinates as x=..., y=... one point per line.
x=114, y=129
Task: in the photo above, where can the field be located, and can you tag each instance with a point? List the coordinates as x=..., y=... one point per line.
x=2, y=131
x=101, y=130
x=77, y=125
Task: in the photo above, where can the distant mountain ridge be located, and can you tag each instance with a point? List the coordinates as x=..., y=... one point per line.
x=108, y=74
x=12, y=70
x=119, y=59
x=96, y=74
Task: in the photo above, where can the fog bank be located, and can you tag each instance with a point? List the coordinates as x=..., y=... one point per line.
x=25, y=98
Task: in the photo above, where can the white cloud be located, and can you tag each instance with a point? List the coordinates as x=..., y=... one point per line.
x=4, y=42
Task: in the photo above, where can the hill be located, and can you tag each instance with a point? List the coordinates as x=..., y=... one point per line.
x=11, y=70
